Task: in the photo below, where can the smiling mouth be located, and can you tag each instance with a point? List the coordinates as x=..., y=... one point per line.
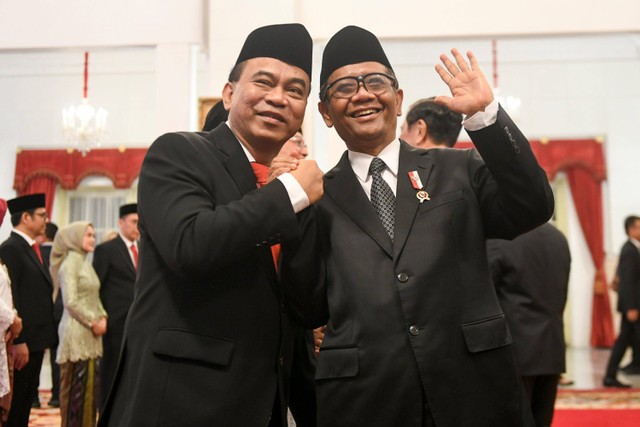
x=363, y=113
x=272, y=116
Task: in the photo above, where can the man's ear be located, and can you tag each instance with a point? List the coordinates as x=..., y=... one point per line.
x=422, y=129
x=399, y=98
x=324, y=112
x=227, y=95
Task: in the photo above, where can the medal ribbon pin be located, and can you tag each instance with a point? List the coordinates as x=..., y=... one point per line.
x=421, y=194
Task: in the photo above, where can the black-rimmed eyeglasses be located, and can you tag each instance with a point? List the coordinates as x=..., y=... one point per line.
x=346, y=87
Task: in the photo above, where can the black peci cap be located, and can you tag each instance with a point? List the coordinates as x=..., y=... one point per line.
x=26, y=203
x=216, y=115
x=290, y=43
x=128, y=209
x=351, y=45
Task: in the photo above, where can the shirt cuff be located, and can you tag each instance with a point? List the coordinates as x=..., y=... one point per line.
x=297, y=195
x=482, y=119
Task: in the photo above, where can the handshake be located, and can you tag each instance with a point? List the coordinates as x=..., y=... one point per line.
x=291, y=159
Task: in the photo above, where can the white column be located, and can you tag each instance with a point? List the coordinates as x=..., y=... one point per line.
x=175, y=82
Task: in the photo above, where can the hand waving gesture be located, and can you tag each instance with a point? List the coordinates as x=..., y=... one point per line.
x=469, y=88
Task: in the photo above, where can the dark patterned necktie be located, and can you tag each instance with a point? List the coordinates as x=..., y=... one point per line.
x=382, y=198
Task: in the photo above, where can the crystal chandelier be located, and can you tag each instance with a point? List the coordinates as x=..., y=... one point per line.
x=510, y=103
x=84, y=125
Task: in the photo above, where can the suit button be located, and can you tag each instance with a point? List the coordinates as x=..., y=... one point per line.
x=402, y=277
x=413, y=330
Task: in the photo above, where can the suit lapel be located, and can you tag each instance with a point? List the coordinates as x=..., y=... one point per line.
x=124, y=252
x=240, y=170
x=31, y=254
x=406, y=201
x=342, y=185
x=236, y=162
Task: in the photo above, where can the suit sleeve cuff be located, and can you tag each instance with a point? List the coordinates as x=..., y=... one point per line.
x=482, y=119
x=297, y=195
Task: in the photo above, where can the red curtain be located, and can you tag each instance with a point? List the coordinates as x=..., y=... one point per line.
x=587, y=197
x=39, y=171
x=42, y=184
x=69, y=167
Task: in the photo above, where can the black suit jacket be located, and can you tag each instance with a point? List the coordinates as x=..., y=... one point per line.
x=629, y=274
x=531, y=275
x=207, y=336
x=32, y=290
x=418, y=320
x=117, y=275
x=58, y=306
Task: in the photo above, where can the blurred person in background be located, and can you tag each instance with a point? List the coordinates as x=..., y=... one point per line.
x=11, y=324
x=32, y=291
x=83, y=323
x=431, y=125
x=46, y=243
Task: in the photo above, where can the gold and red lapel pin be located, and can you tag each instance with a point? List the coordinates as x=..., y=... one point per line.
x=421, y=195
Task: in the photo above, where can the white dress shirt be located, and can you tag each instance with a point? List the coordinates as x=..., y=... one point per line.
x=360, y=162
x=297, y=195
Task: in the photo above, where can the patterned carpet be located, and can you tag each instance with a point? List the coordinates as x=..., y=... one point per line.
x=597, y=408
x=598, y=399
x=45, y=416
x=567, y=402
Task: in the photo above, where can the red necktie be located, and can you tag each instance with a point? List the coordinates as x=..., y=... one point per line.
x=262, y=174
x=134, y=251
x=36, y=248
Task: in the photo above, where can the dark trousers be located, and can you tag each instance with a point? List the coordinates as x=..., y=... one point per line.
x=25, y=389
x=629, y=333
x=635, y=360
x=55, y=375
x=541, y=391
x=302, y=387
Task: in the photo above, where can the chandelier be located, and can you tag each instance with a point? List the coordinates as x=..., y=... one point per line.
x=84, y=125
x=510, y=103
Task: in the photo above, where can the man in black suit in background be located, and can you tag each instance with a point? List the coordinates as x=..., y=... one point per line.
x=531, y=276
x=32, y=290
x=431, y=125
x=115, y=263
x=628, y=300
x=45, y=250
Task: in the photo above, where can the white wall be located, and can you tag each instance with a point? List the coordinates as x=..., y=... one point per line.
x=464, y=18
x=38, y=24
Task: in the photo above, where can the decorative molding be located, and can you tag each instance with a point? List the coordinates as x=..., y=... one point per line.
x=68, y=168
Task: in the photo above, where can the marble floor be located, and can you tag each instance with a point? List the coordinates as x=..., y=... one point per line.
x=586, y=367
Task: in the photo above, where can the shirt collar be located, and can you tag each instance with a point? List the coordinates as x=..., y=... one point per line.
x=635, y=242
x=29, y=240
x=360, y=162
x=127, y=241
x=246, y=152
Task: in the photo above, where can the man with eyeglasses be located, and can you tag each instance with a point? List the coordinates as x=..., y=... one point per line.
x=397, y=266
x=32, y=290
